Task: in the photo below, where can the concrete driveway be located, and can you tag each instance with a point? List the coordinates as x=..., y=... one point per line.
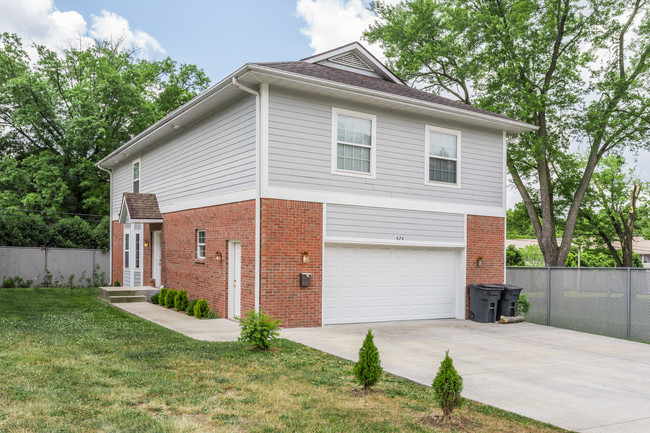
x=573, y=380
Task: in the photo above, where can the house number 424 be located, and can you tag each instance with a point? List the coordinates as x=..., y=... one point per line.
x=399, y=237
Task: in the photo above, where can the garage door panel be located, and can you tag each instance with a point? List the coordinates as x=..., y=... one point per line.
x=366, y=283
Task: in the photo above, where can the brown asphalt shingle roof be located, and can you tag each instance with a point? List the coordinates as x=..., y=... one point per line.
x=371, y=83
x=142, y=206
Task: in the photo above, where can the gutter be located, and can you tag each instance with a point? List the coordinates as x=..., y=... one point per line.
x=258, y=188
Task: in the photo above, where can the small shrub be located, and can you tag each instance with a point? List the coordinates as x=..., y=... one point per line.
x=169, y=298
x=162, y=296
x=201, y=309
x=447, y=386
x=212, y=315
x=117, y=283
x=258, y=328
x=180, y=300
x=16, y=282
x=154, y=298
x=368, y=369
x=523, y=306
x=190, y=307
x=7, y=283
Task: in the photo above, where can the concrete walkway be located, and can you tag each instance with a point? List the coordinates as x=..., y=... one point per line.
x=577, y=381
x=207, y=330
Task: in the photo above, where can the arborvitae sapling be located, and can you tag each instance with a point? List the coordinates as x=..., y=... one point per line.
x=447, y=386
x=368, y=369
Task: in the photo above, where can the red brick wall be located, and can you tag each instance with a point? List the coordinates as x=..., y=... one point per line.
x=117, y=261
x=485, y=239
x=288, y=229
x=209, y=278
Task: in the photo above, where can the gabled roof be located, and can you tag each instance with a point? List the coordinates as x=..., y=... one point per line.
x=140, y=208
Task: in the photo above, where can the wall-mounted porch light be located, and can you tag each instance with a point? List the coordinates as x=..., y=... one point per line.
x=305, y=257
x=146, y=243
x=479, y=261
x=218, y=257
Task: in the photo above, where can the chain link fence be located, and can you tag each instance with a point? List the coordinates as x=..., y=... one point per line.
x=606, y=301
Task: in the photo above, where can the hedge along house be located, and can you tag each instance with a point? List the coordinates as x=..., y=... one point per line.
x=322, y=191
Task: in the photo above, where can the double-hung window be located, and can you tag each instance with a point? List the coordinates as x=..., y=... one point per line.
x=200, y=244
x=136, y=176
x=442, y=160
x=353, y=143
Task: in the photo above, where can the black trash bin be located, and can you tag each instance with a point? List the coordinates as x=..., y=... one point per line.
x=508, y=302
x=483, y=300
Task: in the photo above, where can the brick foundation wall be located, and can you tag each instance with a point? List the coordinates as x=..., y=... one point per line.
x=288, y=229
x=117, y=260
x=486, y=239
x=209, y=278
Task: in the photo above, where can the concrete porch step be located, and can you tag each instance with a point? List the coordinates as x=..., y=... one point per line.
x=122, y=299
x=112, y=294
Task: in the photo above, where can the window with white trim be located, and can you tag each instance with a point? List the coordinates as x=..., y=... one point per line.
x=200, y=244
x=126, y=250
x=137, y=250
x=442, y=156
x=353, y=143
x=136, y=176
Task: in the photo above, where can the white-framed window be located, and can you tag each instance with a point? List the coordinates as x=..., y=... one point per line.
x=127, y=251
x=354, y=143
x=200, y=244
x=442, y=156
x=136, y=175
x=137, y=250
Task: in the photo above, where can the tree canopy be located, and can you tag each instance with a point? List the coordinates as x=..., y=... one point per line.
x=63, y=111
x=579, y=70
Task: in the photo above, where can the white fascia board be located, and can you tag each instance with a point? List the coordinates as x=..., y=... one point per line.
x=332, y=197
x=509, y=125
x=188, y=106
x=147, y=221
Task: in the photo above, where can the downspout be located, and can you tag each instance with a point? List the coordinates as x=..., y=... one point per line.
x=110, y=224
x=258, y=189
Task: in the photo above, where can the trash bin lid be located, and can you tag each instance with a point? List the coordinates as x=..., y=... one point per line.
x=486, y=286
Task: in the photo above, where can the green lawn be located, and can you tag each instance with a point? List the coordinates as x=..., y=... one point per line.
x=69, y=362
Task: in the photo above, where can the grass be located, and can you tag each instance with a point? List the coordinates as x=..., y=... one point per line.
x=70, y=363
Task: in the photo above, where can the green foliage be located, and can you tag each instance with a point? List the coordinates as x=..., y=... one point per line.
x=169, y=298
x=102, y=234
x=532, y=255
x=523, y=306
x=60, y=112
x=258, y=328
x=180, y=300
x=447, y=386
x=518, y=225
x=16, y=282
x=116, y=283
x=514, y=257
x=73, y=233
x=154, y=298
x=201, y=309
x=162, y=298
x=190, y=307
x=368, y=369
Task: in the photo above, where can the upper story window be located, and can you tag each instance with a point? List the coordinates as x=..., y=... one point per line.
x=136, y=176
x=442, y=163
x=353, y=143
x=200, y=244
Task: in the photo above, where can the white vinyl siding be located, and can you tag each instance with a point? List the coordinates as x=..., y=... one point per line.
x=300, y=151
x=381, y=224
x=213, y=156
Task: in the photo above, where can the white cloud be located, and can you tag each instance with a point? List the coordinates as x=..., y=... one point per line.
x=40, y=22
x=332, y=23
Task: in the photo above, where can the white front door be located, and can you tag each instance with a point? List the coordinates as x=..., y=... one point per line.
x=156, y=257
x=234, y=279
x=372, y=283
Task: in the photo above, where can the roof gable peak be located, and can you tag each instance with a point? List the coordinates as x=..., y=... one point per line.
x=354, y=57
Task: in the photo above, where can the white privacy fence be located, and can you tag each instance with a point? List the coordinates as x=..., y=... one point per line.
x=55, y=266
x=606, y=301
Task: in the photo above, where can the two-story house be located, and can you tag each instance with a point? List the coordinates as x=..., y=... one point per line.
x=322, y=191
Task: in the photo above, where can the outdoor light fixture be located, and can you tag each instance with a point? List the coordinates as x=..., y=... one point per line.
x=146, y=243
x=305, y=257
x=479, y=261
x=218, y=257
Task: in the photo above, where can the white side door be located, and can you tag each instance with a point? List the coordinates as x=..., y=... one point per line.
x=234, y=279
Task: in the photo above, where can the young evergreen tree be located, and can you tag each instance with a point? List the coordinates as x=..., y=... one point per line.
x=368, y=369
x=447, y=387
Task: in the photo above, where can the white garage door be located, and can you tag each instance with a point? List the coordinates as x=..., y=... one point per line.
x=368, y=283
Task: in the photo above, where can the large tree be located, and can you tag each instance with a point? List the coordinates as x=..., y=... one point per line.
x=577, y=69
x=64, y=110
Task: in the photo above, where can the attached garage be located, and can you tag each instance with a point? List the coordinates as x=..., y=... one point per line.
x=369, y=283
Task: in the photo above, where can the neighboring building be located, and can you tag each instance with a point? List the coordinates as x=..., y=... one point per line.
x=385, y=195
